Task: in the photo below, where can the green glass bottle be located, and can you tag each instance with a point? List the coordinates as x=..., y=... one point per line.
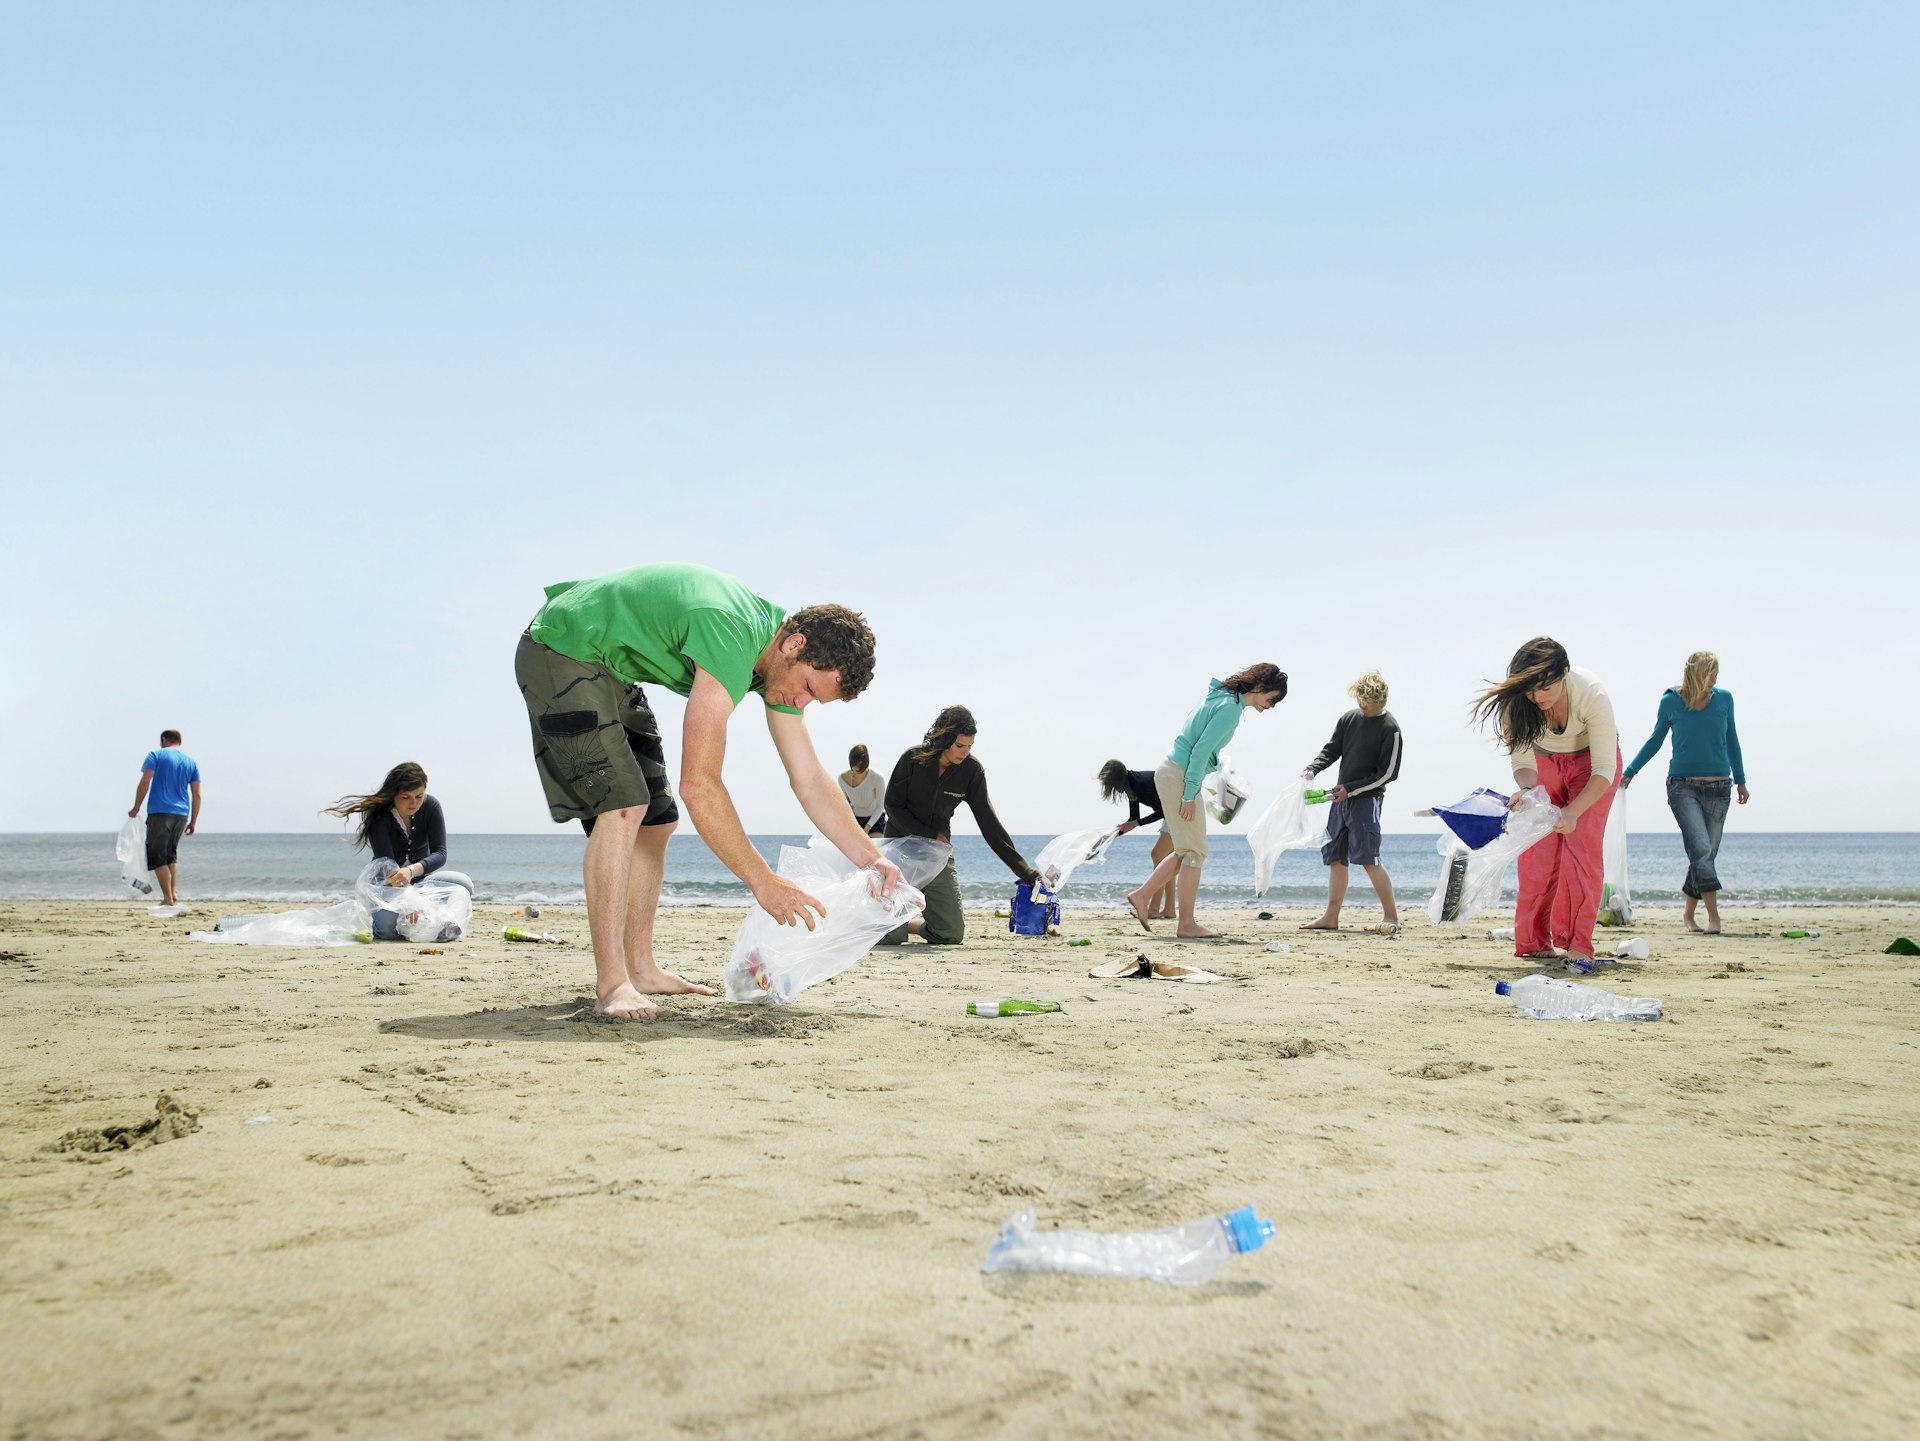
x=1011, y=1008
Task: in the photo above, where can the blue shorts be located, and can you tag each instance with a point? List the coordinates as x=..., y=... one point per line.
x=1353, y=832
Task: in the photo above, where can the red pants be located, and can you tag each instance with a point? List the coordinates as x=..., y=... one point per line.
x=1560, y=877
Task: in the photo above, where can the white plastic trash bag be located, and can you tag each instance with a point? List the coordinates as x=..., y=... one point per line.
x=130, y=849
x=1063, y=855
x=1285, y=825
x=338, y=925
x=1226, y=792
x=429, y=911
x=1616, y=902
x=772, y=963
x=1470, y=881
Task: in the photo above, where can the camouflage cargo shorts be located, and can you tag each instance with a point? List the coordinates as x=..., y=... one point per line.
x=594, y=738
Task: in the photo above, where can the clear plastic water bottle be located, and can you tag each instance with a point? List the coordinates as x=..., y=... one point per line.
x=1550, y=1000
x=1182, y=1255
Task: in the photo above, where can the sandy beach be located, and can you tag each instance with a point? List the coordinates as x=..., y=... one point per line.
x=477, y=1212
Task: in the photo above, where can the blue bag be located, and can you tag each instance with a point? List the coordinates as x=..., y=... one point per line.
x=1032, y=917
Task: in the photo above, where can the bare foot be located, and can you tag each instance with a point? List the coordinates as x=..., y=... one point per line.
x=1696, y=929
x=1325, y=923
x=623, y=1003
x=1159, y=913
x=1196, y=934
x=653, y=981
x=1133, y=904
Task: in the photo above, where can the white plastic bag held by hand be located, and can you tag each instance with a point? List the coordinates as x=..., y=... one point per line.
x=1470, y=881
x=1284, y=826
x=426, y=911
x=1616, y=902
x=1228, y=792
x=774, y=963
x=1065, y=854
x=130, y=849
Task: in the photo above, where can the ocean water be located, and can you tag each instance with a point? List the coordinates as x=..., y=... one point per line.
x=1810, y=868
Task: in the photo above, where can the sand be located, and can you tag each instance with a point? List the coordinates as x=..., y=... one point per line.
x=476, y=1212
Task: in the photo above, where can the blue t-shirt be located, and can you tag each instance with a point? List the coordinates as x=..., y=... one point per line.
x=173, y=771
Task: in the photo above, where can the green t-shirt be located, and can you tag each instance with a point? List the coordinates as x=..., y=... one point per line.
x=654, y=623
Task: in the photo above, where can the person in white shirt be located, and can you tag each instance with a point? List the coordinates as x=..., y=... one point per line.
x=865, y=791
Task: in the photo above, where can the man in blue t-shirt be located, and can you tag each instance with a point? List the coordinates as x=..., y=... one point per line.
x=170, y=786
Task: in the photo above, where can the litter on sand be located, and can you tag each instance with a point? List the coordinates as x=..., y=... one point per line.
x=1140, y=968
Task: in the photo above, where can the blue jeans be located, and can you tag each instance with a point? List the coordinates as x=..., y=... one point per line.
x=1700, y=806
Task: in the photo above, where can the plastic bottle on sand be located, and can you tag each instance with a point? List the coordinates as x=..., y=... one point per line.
x=1500, y=933
x=1549, y=1000
x=1183, y=1255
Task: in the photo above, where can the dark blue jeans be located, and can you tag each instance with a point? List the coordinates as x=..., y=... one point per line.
x=1700, y=806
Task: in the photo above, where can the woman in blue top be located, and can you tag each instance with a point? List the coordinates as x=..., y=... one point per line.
x=1706, y=748
x=404, y=828
x=1196, y=752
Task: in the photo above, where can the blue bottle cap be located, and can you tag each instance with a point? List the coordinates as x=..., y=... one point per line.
x=1503, y=988
x=1246, y=1230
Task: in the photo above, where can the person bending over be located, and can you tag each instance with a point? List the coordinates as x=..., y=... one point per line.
x=864, y=789
x=581, y=667
x=1137, y=786
x=1366, y=742
x=929, y=783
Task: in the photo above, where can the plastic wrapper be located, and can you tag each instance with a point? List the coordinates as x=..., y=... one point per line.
x=1470, y=880
x=1478, y=819
x=1616, y=902
x=1226, y=793
x=130, y=849
x=344, y=924
x=1285, y=825
x=1065, y=854
x=428, y=911
x=772, y=963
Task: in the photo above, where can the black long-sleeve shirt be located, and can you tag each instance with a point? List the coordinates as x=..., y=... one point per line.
x=427, y=843
x=1141, y=791
x=921, y=800
x=1368, y=749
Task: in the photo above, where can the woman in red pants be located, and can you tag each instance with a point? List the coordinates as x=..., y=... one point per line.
x=1557, y=723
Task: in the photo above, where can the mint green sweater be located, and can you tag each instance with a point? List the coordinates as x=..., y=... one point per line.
x=1197, y=748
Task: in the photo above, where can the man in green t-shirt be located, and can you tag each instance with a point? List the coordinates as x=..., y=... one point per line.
x=703, y=635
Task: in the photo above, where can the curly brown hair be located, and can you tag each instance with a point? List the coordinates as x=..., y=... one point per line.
x=838, y=639
x=1262, y=675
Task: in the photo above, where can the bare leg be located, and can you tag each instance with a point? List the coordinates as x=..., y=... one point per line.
x=608, y=874
x=644, y=875
x=1712, y=900
x=1160, y=907
x=1189, y=928
x=1162, y=874
x=167, y=876
x=1336, y=895
x=1383, y=888
x=1687, y=914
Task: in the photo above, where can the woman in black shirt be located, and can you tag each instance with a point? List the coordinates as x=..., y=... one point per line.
x=405, y=829
x=1137, y=786
x=930, y=782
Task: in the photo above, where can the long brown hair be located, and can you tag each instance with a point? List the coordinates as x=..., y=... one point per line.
x=1696, y=684
x=407, y=776
x=952, y=723
x=1541, y=661
x=1262, y=675
x=1113, y=780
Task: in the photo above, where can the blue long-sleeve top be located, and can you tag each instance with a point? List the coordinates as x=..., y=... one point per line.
x=1197, y=748
x=1705, y=741
x=426, y=842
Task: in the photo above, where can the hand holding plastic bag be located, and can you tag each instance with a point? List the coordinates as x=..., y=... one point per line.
x=1227, y=792
x=425, y=912
x=1065, y=854
x=772, y=963
x=1471, y=879
x=1284, y=826
x=130, y=849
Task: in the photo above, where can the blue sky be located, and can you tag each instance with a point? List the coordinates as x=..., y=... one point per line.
x=1092, y=350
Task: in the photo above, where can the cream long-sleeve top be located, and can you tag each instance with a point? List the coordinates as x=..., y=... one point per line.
x=1590, y=727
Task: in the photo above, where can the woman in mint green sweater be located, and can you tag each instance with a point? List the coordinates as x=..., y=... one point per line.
x=1706, y=770
x=1196, y=752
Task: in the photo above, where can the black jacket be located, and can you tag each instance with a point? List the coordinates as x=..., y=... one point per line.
x=427, y=844
x=921, y=801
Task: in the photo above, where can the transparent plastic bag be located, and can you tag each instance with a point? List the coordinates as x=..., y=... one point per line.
x=772, y=963
x=1616, y=901
x=1284, y=826
x=429, y=911
x=130, y=849
x=1470, y=881
x=1227, y=792
x=1063, y=855
x=344, y=924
